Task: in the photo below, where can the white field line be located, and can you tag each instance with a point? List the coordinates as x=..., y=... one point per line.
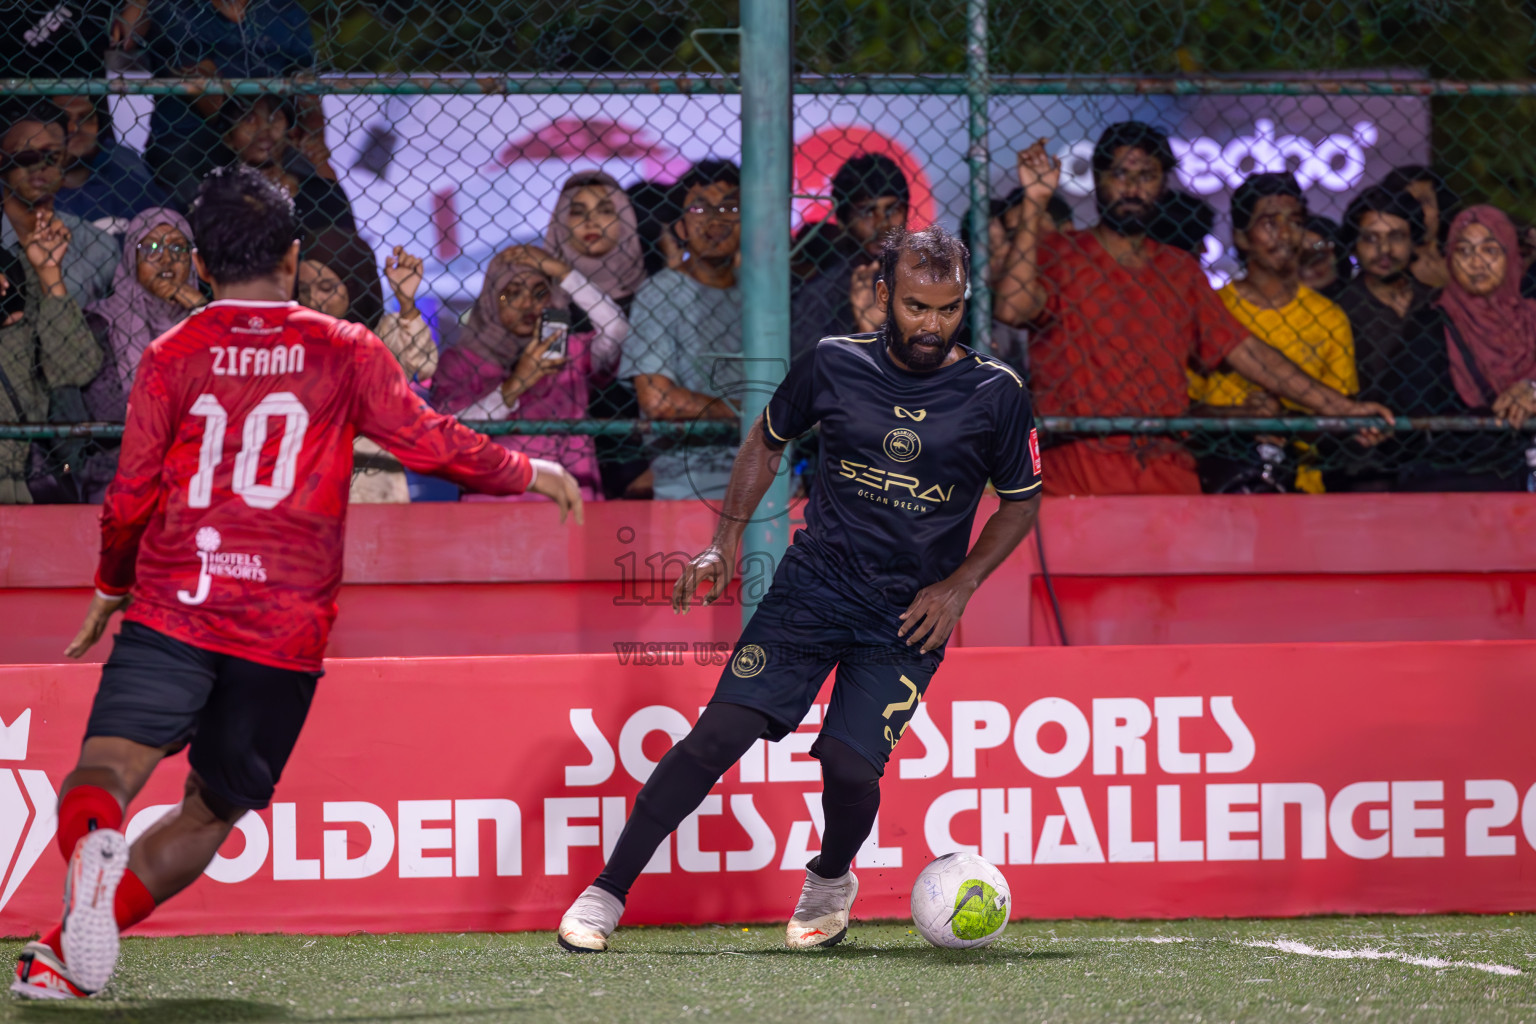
x=1302, y=949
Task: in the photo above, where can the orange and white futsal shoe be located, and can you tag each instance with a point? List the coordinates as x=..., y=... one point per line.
x=90, y=922
x=592, y=918
x=821, y=916
x=40, y=974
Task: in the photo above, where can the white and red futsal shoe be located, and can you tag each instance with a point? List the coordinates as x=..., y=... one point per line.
x=821, y=916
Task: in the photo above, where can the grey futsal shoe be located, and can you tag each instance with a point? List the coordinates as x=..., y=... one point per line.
x=821, y=916
x=592, y=918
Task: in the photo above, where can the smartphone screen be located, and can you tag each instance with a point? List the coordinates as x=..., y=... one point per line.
x=555, y=326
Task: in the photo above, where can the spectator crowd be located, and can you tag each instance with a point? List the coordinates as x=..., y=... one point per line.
x=1415, y=305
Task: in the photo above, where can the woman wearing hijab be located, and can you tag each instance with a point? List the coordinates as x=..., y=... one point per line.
x=378, y=477
x=595, y=230
x=1471, y=352
x=499, y=370
x=153, y=290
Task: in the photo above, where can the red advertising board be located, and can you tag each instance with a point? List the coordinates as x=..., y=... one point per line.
x=469, y=794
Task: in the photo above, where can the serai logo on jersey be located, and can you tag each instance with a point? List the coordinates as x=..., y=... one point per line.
x=749, y=661
x=884, y=481
x=220, y=563
x=28, y=806
x=248, y=361
x=903, y=445
x=915, y=417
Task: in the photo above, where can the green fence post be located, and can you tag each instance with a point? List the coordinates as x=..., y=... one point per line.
x=766, y=110
x=977, y=93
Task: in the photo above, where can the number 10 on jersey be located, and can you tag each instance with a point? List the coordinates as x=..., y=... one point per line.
x=248, y=462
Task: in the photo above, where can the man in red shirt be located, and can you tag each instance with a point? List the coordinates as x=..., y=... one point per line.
x=1118, y=318
x=225, y=524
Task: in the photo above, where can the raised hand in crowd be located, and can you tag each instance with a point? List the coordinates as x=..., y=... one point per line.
x=1039, y=174
x=533, y=256
x=1019, y=295
x=129, y=25
x=45, y=247
x=1517, y=404
x=532, y=366
x=404, y=273
x=308, y=134
x=867, y=314
x=183, y=294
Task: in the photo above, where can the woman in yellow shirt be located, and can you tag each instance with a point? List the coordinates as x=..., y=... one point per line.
x=1269, y=219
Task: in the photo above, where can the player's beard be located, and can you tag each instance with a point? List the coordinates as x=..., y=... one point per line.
x=1127, y=217
x=913, y=358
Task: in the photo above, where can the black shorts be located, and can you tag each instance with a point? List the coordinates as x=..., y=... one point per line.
x=242, y=719
x=799, y=633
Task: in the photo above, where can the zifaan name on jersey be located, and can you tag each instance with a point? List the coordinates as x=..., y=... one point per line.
x=248, y=361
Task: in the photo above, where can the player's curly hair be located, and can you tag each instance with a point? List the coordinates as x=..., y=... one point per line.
x=242, y=224
x=936, y=251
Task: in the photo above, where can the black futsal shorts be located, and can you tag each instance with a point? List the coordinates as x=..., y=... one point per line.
x=241, y=719
x=801, y=632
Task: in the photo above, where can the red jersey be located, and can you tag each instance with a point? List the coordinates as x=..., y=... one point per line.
x=226, y=517
x=1116, y=341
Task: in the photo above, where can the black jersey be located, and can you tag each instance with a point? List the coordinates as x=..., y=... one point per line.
x=904, y=460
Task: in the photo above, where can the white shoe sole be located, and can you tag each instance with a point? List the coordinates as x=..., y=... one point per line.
x=26, y=991
x=90, y=923
x=571, y=947
x=831, y=940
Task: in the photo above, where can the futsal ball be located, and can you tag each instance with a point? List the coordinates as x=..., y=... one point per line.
x=960, y=902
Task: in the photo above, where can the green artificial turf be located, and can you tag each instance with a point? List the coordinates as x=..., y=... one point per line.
x=1195, y=971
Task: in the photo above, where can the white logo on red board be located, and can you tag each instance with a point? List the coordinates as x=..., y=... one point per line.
x=28, y=807
x=1034, y=448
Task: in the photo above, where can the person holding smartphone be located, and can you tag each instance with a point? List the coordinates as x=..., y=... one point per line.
x=529, y=351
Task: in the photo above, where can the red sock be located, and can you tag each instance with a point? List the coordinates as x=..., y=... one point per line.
x=85, y=808
x=132, y=905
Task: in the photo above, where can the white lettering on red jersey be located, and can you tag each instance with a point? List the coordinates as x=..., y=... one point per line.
x=226, y=517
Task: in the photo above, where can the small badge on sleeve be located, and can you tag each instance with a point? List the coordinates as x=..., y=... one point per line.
x=1034, y=448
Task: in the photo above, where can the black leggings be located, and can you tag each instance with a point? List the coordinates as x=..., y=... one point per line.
x=686, y=773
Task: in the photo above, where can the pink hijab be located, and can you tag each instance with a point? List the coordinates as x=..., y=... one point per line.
x=134, y=316
x=618, y=273
x=1499, y=329
x=483, y=334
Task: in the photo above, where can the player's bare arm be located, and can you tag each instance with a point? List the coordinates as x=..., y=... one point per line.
x=933, y=613
x=755, y=467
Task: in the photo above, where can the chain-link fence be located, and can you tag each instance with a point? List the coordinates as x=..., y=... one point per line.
x=538, y=208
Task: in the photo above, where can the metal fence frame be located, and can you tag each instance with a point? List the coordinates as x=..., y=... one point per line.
x=767, y=84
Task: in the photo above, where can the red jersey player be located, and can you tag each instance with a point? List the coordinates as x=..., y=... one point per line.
x=225, y=524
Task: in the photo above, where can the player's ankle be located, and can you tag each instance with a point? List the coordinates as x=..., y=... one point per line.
x=814, y=866
x=622, y=895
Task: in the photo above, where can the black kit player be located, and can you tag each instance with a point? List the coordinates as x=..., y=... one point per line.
x=913, y=426
x=225, y=523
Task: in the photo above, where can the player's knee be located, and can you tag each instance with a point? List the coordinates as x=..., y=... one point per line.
x=207, y=804
x=723, y=734
x=710, y=750
x=846, y=771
